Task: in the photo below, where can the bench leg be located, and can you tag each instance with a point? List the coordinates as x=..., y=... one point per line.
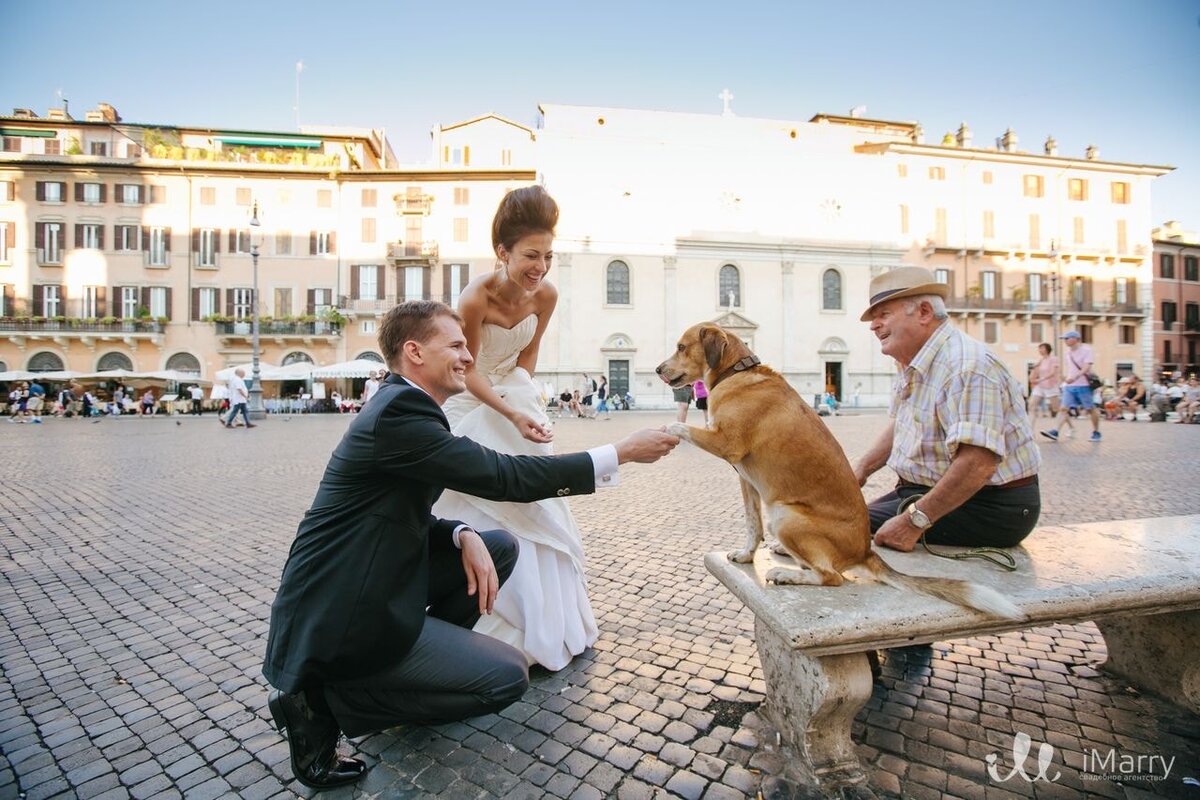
x=812, y=701
x=1158, y=653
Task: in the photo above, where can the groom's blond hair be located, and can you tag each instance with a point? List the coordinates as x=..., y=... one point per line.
x=411, y=321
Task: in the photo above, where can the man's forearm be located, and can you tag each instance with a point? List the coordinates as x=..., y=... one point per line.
x=876, y=457
x=968, y=473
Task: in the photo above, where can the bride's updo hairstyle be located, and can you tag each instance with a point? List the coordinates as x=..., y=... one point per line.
x=523, y=211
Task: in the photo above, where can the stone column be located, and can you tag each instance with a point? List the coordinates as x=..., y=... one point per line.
x=1157, y=652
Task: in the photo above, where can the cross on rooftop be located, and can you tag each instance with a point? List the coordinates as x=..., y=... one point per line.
x=725, y=97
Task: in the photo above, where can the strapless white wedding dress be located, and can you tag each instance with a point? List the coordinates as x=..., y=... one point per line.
x=543, y=607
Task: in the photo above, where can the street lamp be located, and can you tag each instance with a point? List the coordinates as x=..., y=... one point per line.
x=1054, y=314
x=255, y=404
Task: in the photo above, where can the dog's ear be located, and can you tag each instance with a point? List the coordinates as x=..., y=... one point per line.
x=713, y=340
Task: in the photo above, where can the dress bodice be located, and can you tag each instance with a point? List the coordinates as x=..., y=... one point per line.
x=500, y=346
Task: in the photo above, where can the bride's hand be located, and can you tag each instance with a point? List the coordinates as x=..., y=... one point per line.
x=532, y=430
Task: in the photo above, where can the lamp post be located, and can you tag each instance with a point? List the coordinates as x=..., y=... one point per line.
x=255, y=405
x=1054, y=315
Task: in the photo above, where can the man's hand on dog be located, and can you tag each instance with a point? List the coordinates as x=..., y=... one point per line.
x=645, y=446
x=898, y=533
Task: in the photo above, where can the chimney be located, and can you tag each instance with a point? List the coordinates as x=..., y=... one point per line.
x=1092, y=153
x=918, y=134
x=24, y=113
x=1009, y=141
x=1051, y=146
x=58, y=113
x=964, y=135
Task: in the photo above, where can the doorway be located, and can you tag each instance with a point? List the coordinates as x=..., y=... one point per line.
x=833, y=379
x=618, y=377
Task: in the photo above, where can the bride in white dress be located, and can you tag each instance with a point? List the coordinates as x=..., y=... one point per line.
x=543, y=608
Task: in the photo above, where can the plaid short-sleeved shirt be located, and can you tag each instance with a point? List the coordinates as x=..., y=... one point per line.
x=955, y=391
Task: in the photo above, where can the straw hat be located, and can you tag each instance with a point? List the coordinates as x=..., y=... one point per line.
x=903, y=282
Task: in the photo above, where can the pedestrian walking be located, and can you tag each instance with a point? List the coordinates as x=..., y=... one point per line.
x=197, y=395
x=602, y=398
x=1045, y=379
x=237, y=399
x=1077, y=390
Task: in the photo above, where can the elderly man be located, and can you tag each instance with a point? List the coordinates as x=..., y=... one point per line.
x=1077, y=391
x=959, y=440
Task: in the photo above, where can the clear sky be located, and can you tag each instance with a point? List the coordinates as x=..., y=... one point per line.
x=1124, y=76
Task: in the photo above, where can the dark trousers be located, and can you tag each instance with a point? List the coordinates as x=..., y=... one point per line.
x=451, y=672
x=992, y=517
x=196, y=407
x=234, y=411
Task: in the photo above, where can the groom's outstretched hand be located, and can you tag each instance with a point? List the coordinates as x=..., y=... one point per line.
x=482, y=580
x=645, y=446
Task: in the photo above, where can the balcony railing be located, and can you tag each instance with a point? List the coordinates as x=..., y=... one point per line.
x=70, y=325
x=278, y=328
x=1000, y=304
x=406, y=204
x=413, y=251
x=350, y=305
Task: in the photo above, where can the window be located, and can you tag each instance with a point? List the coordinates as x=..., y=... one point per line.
x=12, y=144
x=8, y=191
x=991, y=332
x=1036, y=287
x=989, y=224
x=729, y=287
x=902, y=170
x=1085, y=334
x=987, y=177
x=939, y=226
x=1191, y=271
x=324, y=198
x=1121, y=291
x=98, y=148
x=52, y=300
x=51, y=191
x=160, y=245
x=52, y=147
x=129, y=302
x=367, y=326
x=1170, y=313
x=242, y=301
x=1128, y=334
x=1122, y=236
x=989, y=283
x=242, y=196
x=89, y=193
x=414, y=283
x=129, y=193
x=206, y=305
x=456, y=277
x=239, y=241
x=904, y=219
x=45, y=362
x=937, y=173
x=8, y=232
x=368, y=230
x=208, y=247
x=283, y=302
x=208, y=195
x=159, y=302
x=1191, y=317
x=368, y=282
x=89, y=236
x=942, y=276
x=1078, y=230
x=1037, y=333
x=93, y=302
x=184, y=362
x=283, y=243
x=460, y=229
x=1034, y=185
x=1035, y=232
x=1120, y=192
x=617, y=283
x=158, y=195
x=831, y=290
x=369, y=198
x=320, y=243
x=320, y=301
x=133, y=150
x=462, y=195
x=1077, y=189
x=49, y=242
x=1167, y=265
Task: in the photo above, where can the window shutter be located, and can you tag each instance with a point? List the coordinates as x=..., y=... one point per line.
x=143, y=194
x=229, y=302
x=99, y=237
x=167, y=239
x=12, y=191
x=39, y=300
x=216, y=240
x=101, y=311
x=145, y=298
x=78, y=192
x=425, y=277
x=104, y=193
x=9, y=299
x=311, y=308
x=379, y=278
x=446, y=283
x=11, y=236
x=41, y=191
x=312, y=243
x=168, y=304
x=118, y=193
x=1131, y=292
x=464, y=277
x=62, y=299
x=195, y=240
x=195, y=305
x=232, y=240
x=354, y=272
x=39, y=235
x=78, y=235
x=116, y=302
x=139, y=237
x=332, y=242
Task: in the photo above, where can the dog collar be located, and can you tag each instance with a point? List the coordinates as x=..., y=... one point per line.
x=742, y=365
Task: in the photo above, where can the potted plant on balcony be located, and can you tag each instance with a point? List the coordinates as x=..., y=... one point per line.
x=332, y=319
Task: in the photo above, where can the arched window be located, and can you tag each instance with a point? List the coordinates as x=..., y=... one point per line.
x=113, y=360
x=617, y=279
x=184, y=362
x=831, y=290
x=296, y=358
x=3, y=367
x=369, y=356
x=730, y=285
x=45, y=362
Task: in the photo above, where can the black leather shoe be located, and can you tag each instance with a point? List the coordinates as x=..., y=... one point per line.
x=312, y=738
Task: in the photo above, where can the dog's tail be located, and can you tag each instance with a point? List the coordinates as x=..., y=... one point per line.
x=963, y=593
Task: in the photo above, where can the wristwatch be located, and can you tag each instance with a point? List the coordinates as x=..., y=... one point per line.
x=918, y=517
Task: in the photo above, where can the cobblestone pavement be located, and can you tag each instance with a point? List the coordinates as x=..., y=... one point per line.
x=140, y=558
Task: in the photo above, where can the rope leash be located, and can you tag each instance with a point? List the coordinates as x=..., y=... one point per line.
x=1001, y=558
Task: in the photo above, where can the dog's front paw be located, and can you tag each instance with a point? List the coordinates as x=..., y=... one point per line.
x=778, y=549
x=741, y=556
x=679, y=429
x=784, y=576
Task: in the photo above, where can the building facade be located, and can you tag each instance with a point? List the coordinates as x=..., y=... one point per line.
x=1176, y=300
x=125, y=245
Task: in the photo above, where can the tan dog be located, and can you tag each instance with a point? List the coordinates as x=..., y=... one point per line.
x=792, y=469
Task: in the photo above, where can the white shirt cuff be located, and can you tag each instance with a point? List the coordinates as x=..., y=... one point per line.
x=604, y=460
x=457, y=531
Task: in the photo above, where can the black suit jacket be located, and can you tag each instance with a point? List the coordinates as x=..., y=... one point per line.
x=355, y=586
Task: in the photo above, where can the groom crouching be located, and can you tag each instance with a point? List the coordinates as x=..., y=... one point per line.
x=371, y=627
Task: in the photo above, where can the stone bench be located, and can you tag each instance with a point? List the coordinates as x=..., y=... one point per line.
x=1139, y=580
